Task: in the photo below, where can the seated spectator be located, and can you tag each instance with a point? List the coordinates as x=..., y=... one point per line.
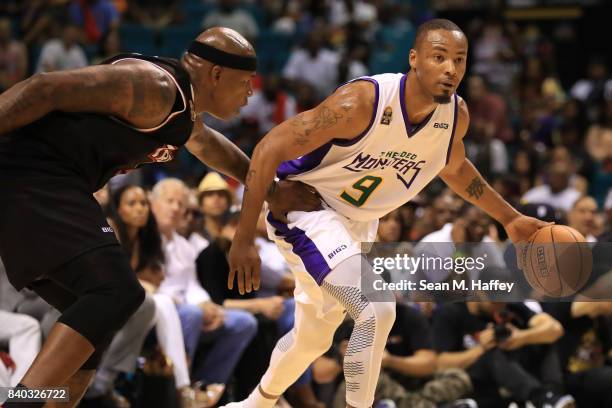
x=190, y=226
x=473, y=227
x=487, y=110
x=596, y=86
x=584, y=350
x=270, y=106
x=13, y=57
x=228, y=331
x=583, y=218
x=504, y=348
x=153, y=13
x=215, y=199
x=313, y=64
x=229, y=15
x=557, y=191
x=109, y=46
x=62, y=54
x=408, y=365
x=94, y=17
x=139, y=237
x=39, y=17
x=275, y=314
x=21, y=333
x=121, y=355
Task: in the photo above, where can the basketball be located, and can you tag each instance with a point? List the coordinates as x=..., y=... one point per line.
x=558, y=261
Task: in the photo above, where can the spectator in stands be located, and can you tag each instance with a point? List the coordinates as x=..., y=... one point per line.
x=593, y=89
x=22, y=335
x=94, y=17
x=153, y=13
x=13, y=57
x=39, y=17
x=408, y=365
x=314, y=65
x=229, y=331
x=62, y=54
x=274, y=313
x=229, y=15
x=502, y=346
x=121, y=355
x=599, y=147
x=584, y=350
x=269, y=106
x=215, y=199
x=488, y=111
x=493, y=56
x=109, y=46
x=557, y=190
x=138, y=234
x=583, y=218
x=190, y=226
x=524, y=166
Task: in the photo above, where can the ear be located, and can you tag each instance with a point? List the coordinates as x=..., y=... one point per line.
x=215, y=74
x=412, y=58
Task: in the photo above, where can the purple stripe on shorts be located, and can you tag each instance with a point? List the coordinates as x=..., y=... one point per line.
x=303, y=247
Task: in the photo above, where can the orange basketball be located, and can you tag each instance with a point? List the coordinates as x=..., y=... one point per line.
x=558, y=261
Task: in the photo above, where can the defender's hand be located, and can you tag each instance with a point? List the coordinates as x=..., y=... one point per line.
x=245, y=265
x=288, y=196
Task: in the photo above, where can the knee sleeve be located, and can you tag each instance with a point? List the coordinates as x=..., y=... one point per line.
x=107, y=290
x=373, y=322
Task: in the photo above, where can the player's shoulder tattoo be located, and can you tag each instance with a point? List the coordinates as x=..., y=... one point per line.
x=153, y=93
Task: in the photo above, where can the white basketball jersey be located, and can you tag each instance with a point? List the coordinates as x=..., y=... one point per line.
x=367, y=177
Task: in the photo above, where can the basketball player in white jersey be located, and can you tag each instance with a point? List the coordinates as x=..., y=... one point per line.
x=371, y=146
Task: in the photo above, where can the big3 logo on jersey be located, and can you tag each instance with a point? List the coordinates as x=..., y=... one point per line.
x=165, y=153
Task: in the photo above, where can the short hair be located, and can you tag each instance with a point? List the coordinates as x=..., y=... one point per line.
x=435, y=24
x=168, y=182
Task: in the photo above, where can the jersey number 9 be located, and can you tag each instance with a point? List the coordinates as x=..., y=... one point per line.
x=365, y=187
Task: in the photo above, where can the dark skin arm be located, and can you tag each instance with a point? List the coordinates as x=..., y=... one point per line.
x=344, y=114
x=133, y=91
x=142, y=95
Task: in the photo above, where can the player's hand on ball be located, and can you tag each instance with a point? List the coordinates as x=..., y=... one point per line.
x=521, y=228
x=292, y=196
x=245, y=266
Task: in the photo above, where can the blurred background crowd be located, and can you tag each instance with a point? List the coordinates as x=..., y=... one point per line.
x=540, y=100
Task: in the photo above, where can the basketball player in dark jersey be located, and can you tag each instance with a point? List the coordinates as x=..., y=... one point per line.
x=62, y=136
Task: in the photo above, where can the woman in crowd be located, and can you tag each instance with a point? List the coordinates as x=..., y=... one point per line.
x=137, y=231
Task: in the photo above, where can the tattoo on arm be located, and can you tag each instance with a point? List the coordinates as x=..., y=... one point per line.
x=475, y=188
x=304, y=128
x=150, y=97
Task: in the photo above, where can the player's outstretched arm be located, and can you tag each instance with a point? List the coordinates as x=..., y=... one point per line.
x=465, y=180
x=345, y=114
x=135, y=92
x=216, y=151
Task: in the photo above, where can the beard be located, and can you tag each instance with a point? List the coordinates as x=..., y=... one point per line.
x=442, y=98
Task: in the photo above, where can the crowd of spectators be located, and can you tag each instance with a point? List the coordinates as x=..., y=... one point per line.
x=540, y=132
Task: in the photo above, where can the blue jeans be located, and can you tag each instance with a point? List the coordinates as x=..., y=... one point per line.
x=192, y=318
x=227, y=345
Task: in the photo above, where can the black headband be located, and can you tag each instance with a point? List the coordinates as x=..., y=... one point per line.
x=225, y=59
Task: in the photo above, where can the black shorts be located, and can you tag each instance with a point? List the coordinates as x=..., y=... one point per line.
x=45, y=222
